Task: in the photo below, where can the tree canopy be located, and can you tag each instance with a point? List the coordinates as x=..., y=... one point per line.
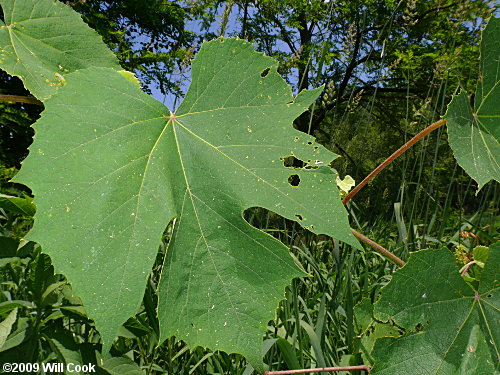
x=388, y=67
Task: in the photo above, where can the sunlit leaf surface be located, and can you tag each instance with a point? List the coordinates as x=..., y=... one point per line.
x=42, y=41
x=451, y=328
x=110, y=167
x=474, y=132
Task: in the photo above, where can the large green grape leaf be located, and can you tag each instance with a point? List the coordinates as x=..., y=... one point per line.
x=43, y=40
x=452, y=329
x=110, y=167
x=474, y=132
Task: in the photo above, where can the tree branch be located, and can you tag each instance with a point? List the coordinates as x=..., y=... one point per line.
x=420, y=17
x=284, y=34
x=320, y=115
x=352, y=64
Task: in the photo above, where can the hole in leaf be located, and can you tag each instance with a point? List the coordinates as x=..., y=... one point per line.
x=161, y=254
x=299, y=217
x=309, y=143
x=292, y=162
x=268, y=221
x=294, y=180
x=265, y=72
x=419, y=327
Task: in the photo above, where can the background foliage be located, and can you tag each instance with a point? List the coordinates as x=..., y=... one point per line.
x=389, y=69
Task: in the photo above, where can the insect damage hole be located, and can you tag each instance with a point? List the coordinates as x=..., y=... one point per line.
x=292, y=162
x=299, y=217
x=294, y=180
x=265, y=72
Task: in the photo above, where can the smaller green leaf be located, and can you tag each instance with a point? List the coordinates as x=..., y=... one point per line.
x=480, y=254
x=23, y=206
x=249, y=370
x=21, y=334
x=74, y=312
x=43, y=40
x=134, y=328
x=49, y=291
x=451, y=328
x=345, y=184
x=57, y=314
x=121, y=366
x=11, y=305
x=41, y=277
x=66, y=349
x=26, y=248
x=6, y=326
x=474, y=132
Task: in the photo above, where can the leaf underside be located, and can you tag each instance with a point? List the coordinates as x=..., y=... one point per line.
x=42, y=41
x=474, y=133
x=111, y=167
x=459, y=331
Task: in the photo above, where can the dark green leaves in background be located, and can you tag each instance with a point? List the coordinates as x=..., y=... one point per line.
x=451, y=328
x=474, y=131
x=23, y=206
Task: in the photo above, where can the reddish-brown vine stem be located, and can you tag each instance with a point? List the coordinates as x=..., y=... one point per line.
x=20, y=99
x=389, y=160
x=323, y=369
x=380, y=249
